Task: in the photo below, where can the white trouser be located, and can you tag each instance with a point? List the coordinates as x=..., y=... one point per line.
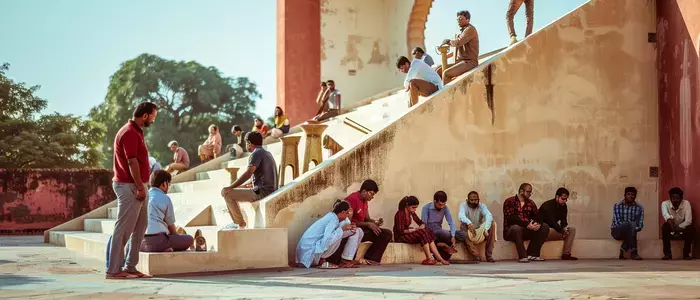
x=352, y=244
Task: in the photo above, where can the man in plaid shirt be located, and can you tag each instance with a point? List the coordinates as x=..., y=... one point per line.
x=628, y=219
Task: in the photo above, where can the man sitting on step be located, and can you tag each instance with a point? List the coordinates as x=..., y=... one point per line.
x=628, y=219
x=466, y=52
x=477, y=226
x=380, y=237
x=433, y=214
x=263, y=168
x=181, y=160
x=678, y=224
x=161, y=233
x=520, y=218
x=420, y=79
x=238, y=148
x=554, y=212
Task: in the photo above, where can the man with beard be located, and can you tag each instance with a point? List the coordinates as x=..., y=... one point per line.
x=477, y=226
x=519, y=216
x=628, y=219
x=554, y=212
x=131, y=172
x=467, y=49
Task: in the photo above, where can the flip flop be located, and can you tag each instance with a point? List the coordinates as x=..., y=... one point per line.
x=327, y=265
x=121, y=275
x=140, y=275
x=347, y=265
x=428, y=262
x=371, y=262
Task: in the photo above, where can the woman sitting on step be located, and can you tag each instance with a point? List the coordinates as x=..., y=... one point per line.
x=212, y=146
x=404, y=233
x=161, y=233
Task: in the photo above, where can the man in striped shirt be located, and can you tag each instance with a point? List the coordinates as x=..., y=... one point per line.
x=628, y=219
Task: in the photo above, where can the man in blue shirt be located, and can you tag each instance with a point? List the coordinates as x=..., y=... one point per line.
x=628, y=219
x=433, y=214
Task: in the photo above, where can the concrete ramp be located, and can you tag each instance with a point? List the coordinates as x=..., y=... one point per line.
x=572, y=105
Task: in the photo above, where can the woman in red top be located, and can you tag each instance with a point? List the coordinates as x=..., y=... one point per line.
x=404, y=233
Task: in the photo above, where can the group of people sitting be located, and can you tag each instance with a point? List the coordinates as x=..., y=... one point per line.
x=332, y=241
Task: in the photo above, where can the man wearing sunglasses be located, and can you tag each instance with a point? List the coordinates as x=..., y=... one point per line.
x=554, y=213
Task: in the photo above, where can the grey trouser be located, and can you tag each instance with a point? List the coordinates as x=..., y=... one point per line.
x=160, y=242
x=130, y=227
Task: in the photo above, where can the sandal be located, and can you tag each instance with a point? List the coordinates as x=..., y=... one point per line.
x=327, y=265
x=200, y=242
x=121, y=275
x=140, y=275
x=429, y=262
x=536, y=258
x=347, y=264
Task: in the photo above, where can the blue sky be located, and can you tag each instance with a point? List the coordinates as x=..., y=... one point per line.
x=71, y=47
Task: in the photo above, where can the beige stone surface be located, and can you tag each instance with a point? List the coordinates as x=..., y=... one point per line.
x=573, y=105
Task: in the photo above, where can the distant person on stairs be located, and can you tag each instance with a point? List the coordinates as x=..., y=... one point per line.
x=529, y=17
x=627, y=221
x=212, y=146
x=322, y=97
x=380, y=237
x=131, y=172
x=260, y=127
x=555, y=214
x=281, y=124
x=181, y=159
x=155, y=165
x=263, y=169
x=161, y=233
x=467, y=49
x=420, y=79
x=238, y=148
x=418, y=53
x=332, y=100
x=323, y=238
x=477, y=227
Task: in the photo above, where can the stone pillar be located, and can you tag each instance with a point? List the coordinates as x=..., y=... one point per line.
x=233, y=173
x=444, y=49
x=313, y=151
x=290, y=157
x=298, y=58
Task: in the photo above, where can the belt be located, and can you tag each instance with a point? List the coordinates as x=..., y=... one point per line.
x=155, y=234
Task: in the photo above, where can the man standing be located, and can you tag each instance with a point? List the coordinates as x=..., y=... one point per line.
x=467, y=49
x=477, y=226
x=628, y=219
x=331, y=101
x=263, y=169
x=554, y=213
x=380, y=237
x=433, y=214
x=418, y=53
x=131, y=171
x=519, y=216
x=678, y=218
x=420, y=79
x=181, y=160
x=529, y=17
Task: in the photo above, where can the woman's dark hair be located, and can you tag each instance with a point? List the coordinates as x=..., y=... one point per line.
x=340, y=206
x=159, y=177
x=144, y=108
x=254, y=138
x=408, y=201
x=281, y=111
x=402, y=61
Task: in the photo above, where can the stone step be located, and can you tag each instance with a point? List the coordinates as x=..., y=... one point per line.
x=113, y=213
x=400, y=253
x=242, y=249
x=106, y=226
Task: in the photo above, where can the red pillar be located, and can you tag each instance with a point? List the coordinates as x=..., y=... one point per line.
x=298, y=57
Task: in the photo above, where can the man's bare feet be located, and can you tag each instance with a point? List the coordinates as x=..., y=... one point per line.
x=444, y=262
x=168, y=250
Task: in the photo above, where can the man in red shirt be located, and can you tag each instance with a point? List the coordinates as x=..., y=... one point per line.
x=520, y=224
x=380, y=237
x=131, y=172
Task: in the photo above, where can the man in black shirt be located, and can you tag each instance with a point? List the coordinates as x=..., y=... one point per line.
x=554, y=213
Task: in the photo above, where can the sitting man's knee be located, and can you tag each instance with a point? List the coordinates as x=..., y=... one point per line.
x=387, y=233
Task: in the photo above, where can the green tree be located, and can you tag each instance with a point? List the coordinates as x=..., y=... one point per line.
x=28, y=140
x=190, y=97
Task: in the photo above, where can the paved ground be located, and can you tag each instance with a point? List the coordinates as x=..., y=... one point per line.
x=30, y=269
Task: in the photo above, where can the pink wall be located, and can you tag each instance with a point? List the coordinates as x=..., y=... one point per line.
x=678, y=42
x=298, y=58
x=33, y=200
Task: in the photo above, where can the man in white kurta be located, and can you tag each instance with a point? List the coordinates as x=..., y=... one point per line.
x=323, y=238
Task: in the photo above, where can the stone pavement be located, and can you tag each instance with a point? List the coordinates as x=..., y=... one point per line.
x=30, y=269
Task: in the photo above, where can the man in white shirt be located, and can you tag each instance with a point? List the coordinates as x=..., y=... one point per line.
x=678, y=224
x=421, y=79
x=477, y=226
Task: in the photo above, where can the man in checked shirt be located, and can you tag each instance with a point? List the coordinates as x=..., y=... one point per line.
x=628, y=219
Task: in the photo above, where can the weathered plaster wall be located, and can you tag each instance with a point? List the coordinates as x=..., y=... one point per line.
x=364, y=36
x=33, y=200
x=678, y=40
x=574, y=105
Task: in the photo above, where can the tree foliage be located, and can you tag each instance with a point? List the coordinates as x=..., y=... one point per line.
x=30, y=140
x=190, y=97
